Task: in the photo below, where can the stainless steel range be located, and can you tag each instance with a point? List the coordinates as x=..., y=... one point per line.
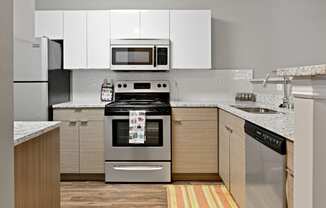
x=149, y=161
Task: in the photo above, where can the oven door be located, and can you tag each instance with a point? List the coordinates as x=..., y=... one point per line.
x=157, y=146
x=132, y=57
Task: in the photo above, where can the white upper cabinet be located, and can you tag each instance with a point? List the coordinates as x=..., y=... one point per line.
x=75, y=54
x=98, y=39
x=24, y=19
x=49, y=24
x=154, y=24
x=125, y=24
x=190, y=35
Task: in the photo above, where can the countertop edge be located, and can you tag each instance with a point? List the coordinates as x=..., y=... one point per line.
x=39, y=132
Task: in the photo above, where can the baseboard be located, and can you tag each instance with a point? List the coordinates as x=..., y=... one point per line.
x=82, y=177
x=196, y=177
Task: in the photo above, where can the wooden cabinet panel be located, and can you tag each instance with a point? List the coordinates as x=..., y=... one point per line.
x=69, y=147
x=91, y=147
x=49, y=24
x=155, y=24
x=289, y=156
x=98, y=39
x=194, y=114
x=289, y=190
x=125, y=24
x=190, y=34
x=75, y=54
x=78, y=114
x=224, y=153
x=195, y=145
x=37, y=176
x=233, y=122
x=237, y=168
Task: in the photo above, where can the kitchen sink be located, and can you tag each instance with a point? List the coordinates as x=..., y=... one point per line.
x=257, y=110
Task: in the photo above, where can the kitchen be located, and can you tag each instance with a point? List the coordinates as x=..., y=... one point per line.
x=210, y=89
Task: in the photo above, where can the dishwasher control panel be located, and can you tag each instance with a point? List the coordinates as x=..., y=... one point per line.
x=268, y=138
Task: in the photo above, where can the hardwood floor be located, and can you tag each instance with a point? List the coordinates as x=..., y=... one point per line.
x=100, y=195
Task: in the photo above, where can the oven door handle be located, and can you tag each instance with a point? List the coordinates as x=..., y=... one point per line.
x=137, y=168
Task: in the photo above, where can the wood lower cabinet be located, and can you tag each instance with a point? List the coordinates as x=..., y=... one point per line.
x=232, y=155
x=224, y=153
x=91, y=147
x=290, y=174
x=237, y=168
x=194, y=138
x=82, y=140
x=69, y=147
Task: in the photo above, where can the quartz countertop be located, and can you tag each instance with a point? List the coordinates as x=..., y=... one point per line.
x=80, y=105
x=27, y=130
x=281, y=123
x=313, y=70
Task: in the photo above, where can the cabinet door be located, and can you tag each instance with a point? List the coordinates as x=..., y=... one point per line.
x=224, y=153
x=49, y=24
x=24, y=19
x=98, y=39
x=194, y=147
x=237, y=168
x=91, y=147
x=154, y=24
x=75, y=40
x=190, y=34
x=69, y=147
x=125, y=24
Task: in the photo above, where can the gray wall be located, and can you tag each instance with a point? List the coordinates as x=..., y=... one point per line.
x=6, y=115
x=257, y=34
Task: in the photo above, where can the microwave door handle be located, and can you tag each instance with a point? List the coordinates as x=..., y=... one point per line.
x=155, y=56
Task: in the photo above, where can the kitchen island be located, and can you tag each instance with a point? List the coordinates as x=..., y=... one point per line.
x=37, y=164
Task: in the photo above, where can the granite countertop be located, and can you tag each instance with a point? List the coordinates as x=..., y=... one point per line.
x=80, y=105
x=281, y=123
x=313, y=70
x=26, y=130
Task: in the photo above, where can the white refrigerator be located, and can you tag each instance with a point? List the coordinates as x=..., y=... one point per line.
x=39, y=80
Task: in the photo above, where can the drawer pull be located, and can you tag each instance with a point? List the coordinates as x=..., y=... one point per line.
x=229, y=129
x=177, y=121
x=138, y=168
x=84, y=123
x=72, y=123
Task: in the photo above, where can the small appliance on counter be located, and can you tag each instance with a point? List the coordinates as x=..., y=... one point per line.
x=138, y=133
x=107, y=91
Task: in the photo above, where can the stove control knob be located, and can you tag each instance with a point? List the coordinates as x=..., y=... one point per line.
x=159, y=85
x=119, y=85
x=124, y=85
x=164, y=85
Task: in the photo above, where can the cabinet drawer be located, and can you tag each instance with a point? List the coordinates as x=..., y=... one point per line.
x=194, y=114
x=232, y=122
x=289, y=190
x=78, y=114
x=289, y=156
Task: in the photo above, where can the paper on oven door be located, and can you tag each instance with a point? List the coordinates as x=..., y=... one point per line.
x=137, y=121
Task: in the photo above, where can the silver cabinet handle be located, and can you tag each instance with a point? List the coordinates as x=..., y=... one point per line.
x=72, y=123
x=84, y=122
x=137, y=168
x=229, y=129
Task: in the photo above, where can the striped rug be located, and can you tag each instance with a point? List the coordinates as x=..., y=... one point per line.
x=199, y=196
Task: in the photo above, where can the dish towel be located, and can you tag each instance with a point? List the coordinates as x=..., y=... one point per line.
x=137, y=121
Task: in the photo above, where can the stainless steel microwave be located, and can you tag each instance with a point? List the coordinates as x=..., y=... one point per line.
x=140, y=54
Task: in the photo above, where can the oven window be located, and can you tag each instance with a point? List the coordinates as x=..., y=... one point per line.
x=153, y=133
x=132, y=56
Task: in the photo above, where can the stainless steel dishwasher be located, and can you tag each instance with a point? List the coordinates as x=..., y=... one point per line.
x=265, y=168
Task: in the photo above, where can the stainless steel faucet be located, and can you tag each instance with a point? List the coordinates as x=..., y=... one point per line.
x=286, y=101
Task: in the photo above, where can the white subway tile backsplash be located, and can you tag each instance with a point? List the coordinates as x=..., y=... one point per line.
x=196, y=85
